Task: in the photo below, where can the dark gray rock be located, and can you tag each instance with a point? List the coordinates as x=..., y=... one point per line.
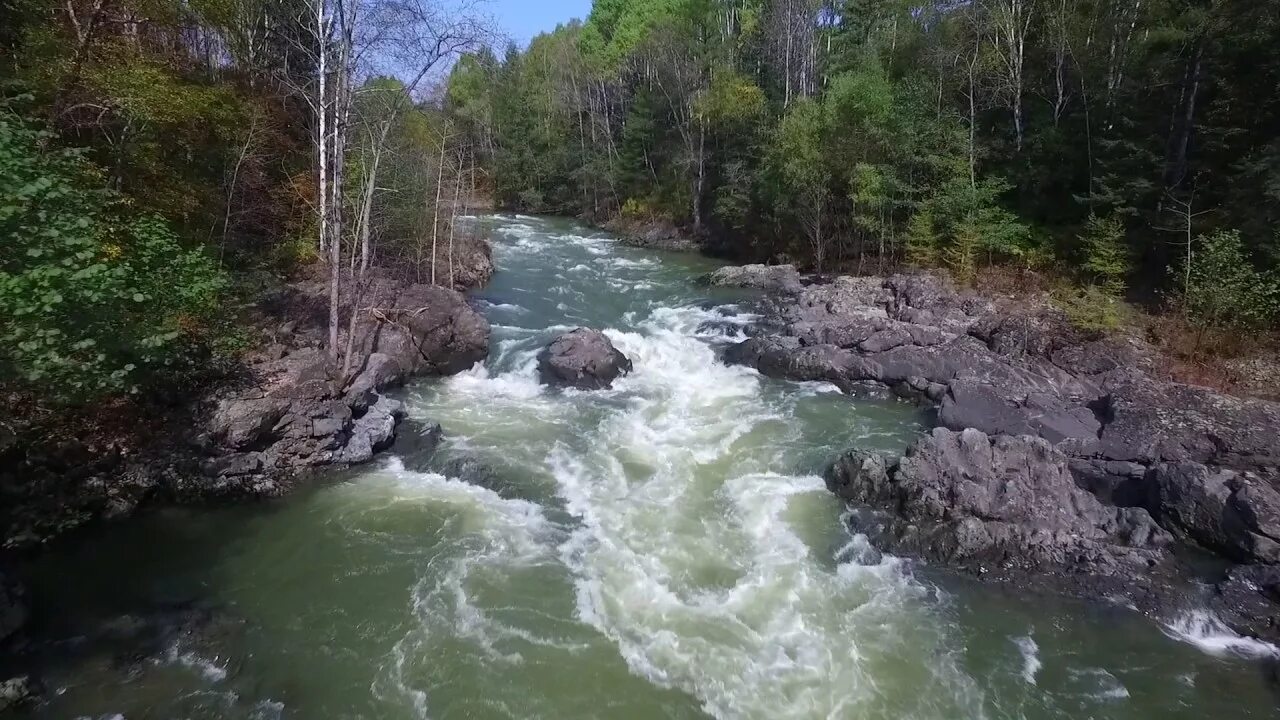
x=1248, y=599
x=967, y=499
x=1151, y=422
x=769, y=278
x=427, y=330
x=655, y=235
x=972, y=404
x=373, y=431
x=582, y=358
x=416, y=443
x=234, y=464
x=1235, y=514
x=13, y=606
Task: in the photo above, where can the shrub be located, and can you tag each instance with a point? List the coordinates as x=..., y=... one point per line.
x=93, y=298
x=1107, y=260
x=1091, y=308
x=1222, y=290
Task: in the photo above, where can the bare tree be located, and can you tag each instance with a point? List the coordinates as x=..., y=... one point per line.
x=347, y=41
x=1010, y=22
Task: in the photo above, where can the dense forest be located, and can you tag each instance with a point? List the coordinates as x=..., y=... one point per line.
x=162, y=161
x=1124, y=146
x=159, y=160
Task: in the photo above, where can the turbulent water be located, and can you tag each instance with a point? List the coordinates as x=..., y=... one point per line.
x=663, y=549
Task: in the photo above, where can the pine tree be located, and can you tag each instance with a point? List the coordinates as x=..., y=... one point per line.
x=922, y=240
x=1106, y=260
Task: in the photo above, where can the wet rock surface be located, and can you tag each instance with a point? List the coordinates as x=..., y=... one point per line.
x=1057, y=453
x=583, y=359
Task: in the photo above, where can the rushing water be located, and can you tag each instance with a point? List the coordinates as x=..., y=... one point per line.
x=664, y=549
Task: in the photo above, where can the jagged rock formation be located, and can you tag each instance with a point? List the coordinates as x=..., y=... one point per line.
x=292, y=416
x=1056, y=453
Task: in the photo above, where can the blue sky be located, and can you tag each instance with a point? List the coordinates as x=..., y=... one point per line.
x=522, y=19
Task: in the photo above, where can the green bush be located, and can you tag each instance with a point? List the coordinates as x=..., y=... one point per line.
x=1222, y=290
x=93, y=298
x=1091, y=308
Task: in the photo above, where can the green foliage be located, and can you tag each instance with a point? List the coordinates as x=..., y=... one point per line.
x=1222, y=288
x=922, y=241
x=1091, y=308
x=95, y=299
x=961, y=254
x=1107, y=261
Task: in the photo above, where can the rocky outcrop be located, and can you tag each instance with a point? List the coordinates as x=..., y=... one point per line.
x=654, y=235
x=996, y=503
x=294, y=415
x=472, y=264
x=583, y=359
x=770, y=278
x=1075, y=424
x=287, y=410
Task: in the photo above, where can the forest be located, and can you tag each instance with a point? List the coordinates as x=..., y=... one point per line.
x=162, y=162
x=159, y=160
x=1126, y=148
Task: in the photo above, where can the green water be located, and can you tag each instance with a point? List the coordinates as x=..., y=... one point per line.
x=664, y=549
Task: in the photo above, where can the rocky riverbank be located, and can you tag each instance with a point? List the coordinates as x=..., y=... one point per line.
x=654, y=235
x=1060, y=459
x=280, y=415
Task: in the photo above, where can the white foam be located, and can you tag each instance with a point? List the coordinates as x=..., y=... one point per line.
x=209, y=668
x=1030, y=652
x=520, y=384
x=1207, y=632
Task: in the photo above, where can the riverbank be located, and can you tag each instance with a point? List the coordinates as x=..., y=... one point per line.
x=254, y=432
x=1060, y=459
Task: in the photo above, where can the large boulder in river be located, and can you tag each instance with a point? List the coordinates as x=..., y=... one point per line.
x=1007, y=503
x=770, y=278
x=583, y=359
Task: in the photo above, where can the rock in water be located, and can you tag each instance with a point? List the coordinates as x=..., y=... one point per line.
x=770, y=278
x=582, y=359
x=15, y=692
x=13, y=606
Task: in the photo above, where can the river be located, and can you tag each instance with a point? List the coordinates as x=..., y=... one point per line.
x=664, y=549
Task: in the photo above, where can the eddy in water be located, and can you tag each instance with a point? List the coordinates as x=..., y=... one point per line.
x=663, y=548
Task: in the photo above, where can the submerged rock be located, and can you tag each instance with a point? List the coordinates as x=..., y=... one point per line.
x=582, y=358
